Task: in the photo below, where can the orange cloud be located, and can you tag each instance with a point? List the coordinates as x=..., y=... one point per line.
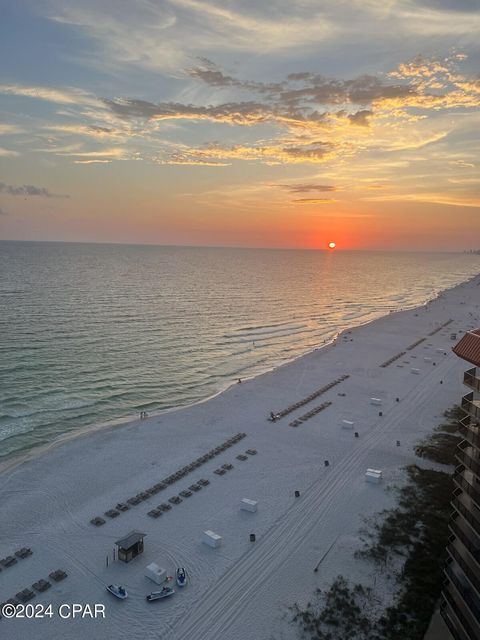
x=314, y=200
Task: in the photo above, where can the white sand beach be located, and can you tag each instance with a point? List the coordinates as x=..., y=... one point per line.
x=241, y=590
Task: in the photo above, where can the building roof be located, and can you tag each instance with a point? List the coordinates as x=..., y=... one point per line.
x=130, y=539
x=469, y=347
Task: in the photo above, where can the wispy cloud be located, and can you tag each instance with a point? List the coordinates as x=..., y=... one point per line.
x=313, y=200
x=9, y=129
x=69, y=96
x=92, y=161
x=91, y=130
x=6, y=153
x=161, y=35
x=28, y=190
x=416, y=141
x=305, y=188
x=192, y=162
x=452, y=199
x=114, y=153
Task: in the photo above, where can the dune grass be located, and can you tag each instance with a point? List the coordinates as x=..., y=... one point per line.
x=414, y=533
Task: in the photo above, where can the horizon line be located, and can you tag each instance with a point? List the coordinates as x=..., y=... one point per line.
x=245, y=247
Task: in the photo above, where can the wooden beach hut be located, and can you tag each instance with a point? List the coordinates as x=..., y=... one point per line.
x=130, y=546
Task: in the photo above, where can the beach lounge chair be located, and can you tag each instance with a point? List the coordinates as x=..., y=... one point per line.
x=97, y=521
x=227, y=466
x=112, y=513
x=58, y=575
x=25, y=595
x=41, y=585
x=220, y=472
x=134, y=500
x=8, y=561
x=203, y=482
x=164, y=506
x=23, y=552
x=154, y=513
x=195, y=487
x=185, y=493
x=242, y=457
x=251, y=452
x=121, y=506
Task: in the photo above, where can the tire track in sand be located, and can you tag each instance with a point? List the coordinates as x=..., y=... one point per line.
x=212, y=617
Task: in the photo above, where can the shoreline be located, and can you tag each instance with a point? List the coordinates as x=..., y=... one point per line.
x=22, y=457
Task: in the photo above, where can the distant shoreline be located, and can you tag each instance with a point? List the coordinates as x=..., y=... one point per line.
x=241, y=248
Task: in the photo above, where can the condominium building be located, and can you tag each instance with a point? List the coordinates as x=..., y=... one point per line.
x=460, y=606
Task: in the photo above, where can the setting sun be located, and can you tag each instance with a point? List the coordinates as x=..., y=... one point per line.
x=332, y=245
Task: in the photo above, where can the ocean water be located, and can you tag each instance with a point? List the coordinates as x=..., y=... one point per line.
x=95, y=333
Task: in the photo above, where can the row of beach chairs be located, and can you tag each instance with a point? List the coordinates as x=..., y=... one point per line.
x=40, y=586
x=250, y=452
x=169, y=480
x=9, y=561
x=310, y=414
x=442, y=326
x=308, y=399
x=392, y=359
x=186, y=493
x=194, y=488
x=415, y=344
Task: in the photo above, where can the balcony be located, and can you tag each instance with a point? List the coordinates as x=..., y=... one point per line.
x=452, y=621
x=468, y=456
x=470, y=431
x=467, y=481
x=471, y=378
x=466, y=533
x=468, y=624
x=468, y=511
x=471, y=406
x=463, y=560
x=468, y=539
x=468, y=595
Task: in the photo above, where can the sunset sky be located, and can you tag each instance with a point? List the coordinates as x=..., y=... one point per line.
x=245, y=123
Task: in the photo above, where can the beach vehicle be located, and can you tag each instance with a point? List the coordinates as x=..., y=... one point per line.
x=159, y=595
x=181, y=576
x=118, y=591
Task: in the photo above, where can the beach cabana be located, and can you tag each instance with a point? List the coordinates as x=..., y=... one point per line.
x=130, y=546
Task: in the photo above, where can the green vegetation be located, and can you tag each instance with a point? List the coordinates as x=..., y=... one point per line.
x=441, y=445
x=337, y=613
x=415, y=532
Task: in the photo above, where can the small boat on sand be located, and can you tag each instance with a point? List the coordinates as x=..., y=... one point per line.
x=159, y=595
x=118, y=591
x=181, y=576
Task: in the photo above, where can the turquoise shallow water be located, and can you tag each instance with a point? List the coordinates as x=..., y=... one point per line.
x=94, y=333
